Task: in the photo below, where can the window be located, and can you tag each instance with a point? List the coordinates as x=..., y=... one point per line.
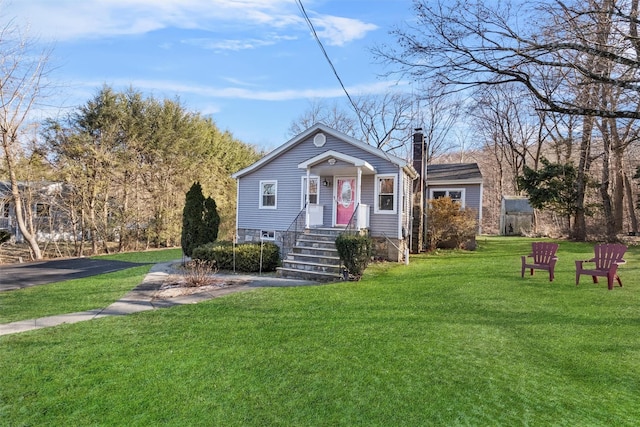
x=267, y=235
x=455, y=194
x=42, y=210
x=5, y=210
x=268, y=194
x=314, y=185
x=385, y=194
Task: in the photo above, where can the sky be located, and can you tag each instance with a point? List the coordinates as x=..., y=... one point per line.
x=251, y=65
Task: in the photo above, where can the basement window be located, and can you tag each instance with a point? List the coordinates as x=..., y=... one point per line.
x=267, y=234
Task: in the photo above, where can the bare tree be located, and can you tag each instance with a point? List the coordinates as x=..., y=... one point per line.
x=437, y=113
x=568, y=56
x=21, y=83
x=382, y=121
x=510, y=128
x=328, y=114
x=386, y=121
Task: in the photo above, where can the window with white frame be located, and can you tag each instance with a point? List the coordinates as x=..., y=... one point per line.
x=314, y=186
x=268, y=194
x=267, y=234
x=5, y=210
x=385, y=194
x=455, y=194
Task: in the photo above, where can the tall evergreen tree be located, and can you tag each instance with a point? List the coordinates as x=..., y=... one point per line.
x=211, y=221
x=192, y=219
x=200, y=220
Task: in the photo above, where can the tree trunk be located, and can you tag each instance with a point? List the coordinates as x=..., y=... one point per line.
x=630, y=205
x=17, y=199
x=605, y=182
x=579, y=231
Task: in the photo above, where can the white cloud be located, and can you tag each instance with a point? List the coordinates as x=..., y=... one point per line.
x=235, y=44
x=63, y=20
x=170, y=89
x=338, y=31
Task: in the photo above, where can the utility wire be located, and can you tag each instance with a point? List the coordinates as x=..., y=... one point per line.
x=324, y=52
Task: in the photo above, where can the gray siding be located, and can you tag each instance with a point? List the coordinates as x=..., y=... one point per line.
x=472, y=194
x=284, y=169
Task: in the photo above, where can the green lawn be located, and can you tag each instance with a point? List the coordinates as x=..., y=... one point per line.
x=77, y=295
x=452, y=339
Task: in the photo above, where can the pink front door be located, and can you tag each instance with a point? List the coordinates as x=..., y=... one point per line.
x=345, y=199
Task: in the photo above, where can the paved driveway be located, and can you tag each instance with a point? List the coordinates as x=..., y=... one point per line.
x=17, y=276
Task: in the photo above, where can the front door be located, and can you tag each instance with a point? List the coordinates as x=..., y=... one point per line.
x=345, y=200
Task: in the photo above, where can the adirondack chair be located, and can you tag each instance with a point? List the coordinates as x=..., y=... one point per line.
x=608, y=256
x=543, y=255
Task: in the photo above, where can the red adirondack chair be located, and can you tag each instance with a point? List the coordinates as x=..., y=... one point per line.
x=543, y=256
x=608, y=256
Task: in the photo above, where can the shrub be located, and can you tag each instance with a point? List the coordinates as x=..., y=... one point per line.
x=448, y=224
x=4, y=236
x=247, y=256
x=199, y=273
x=200, y=220
x=355, y=252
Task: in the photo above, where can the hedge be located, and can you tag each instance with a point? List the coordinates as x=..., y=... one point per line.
x=247, y=256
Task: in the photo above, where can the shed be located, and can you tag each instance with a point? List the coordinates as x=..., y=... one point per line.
x=516, y=216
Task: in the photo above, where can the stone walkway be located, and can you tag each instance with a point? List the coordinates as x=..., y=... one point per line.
x=142, y=299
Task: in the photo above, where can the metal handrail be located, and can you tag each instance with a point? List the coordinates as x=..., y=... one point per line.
x=352, y=225
x=290, y=236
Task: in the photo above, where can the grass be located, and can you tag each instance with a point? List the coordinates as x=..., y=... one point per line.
x=452, y=339
x=80, y=294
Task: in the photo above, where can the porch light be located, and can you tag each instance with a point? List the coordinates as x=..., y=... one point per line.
x=332, y=161
x=325, y=183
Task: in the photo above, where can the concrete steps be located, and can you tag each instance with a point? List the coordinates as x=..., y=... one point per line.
x=314, y=257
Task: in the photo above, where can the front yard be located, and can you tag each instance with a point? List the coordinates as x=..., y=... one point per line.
x=452, y=339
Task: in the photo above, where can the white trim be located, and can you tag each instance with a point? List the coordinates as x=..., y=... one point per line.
x=303, y=189
x=454, y=182
x=237, y=209
x=480, y=210
x=320, y=139
x=376, y=201
x=319, y=127
x=336, y=155
x=261, y=195
x=267, y=235
x=463, y=193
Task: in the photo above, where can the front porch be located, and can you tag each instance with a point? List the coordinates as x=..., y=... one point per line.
x=332, y=191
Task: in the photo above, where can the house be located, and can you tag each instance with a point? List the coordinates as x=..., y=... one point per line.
x=462, y=182
x=324, y=182
x=42, y=207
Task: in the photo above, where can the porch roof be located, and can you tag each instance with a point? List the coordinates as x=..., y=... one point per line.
x=333, y=162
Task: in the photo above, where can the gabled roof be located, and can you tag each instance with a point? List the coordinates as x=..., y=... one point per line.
x=319, y=127
x=458, y=173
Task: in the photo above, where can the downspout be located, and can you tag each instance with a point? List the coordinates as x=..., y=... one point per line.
x=237, y=208
x=358, y=193
x=307, y=218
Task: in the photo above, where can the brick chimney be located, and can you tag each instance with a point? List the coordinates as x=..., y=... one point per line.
x=418, y=150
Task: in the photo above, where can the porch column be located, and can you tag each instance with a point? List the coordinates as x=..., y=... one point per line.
x=358, y=193
x=306, y=200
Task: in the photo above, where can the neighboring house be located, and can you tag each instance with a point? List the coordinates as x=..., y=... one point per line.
x=41, y=201
x=462, y=182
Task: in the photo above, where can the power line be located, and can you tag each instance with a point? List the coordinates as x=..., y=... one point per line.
x=324, y=52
